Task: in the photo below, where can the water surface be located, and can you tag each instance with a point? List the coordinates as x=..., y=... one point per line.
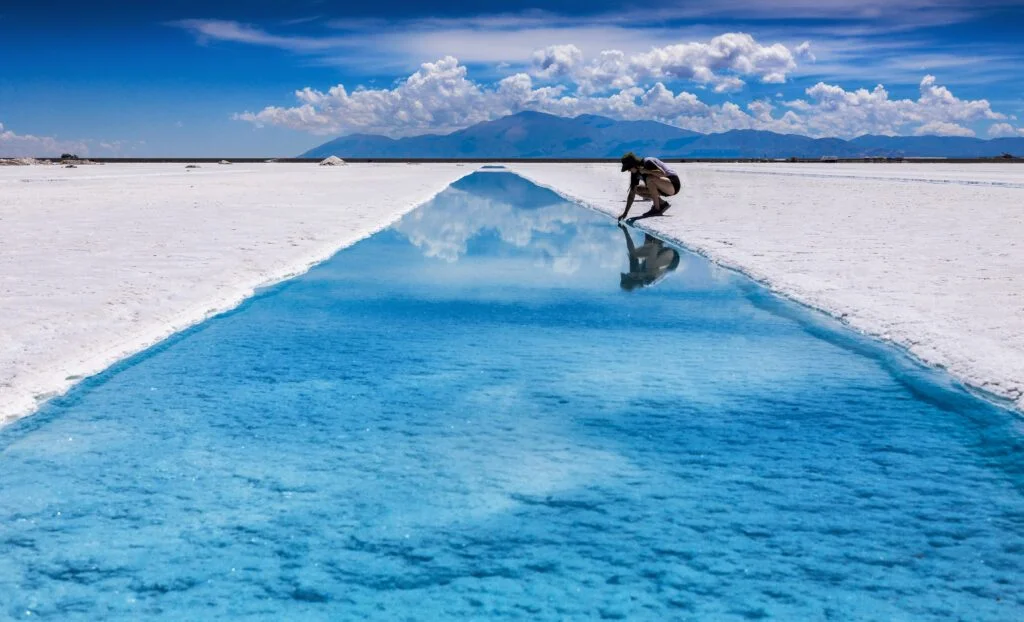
x=506, y=406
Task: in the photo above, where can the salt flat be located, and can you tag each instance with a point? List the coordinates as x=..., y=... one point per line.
x=929, y=256
x=99, y=262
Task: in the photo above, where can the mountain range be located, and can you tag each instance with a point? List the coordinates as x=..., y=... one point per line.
x=540, y=135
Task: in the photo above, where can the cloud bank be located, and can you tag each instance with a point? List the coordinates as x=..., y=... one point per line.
x=722, y=62
x=660, y=82
x=13, y=145
x=440, y=96
x=27, y=145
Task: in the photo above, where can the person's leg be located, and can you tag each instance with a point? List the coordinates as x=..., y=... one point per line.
x=659, y=187
x=652, y=188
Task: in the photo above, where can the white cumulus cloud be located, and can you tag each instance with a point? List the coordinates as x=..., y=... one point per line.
x=722, y=62
x=803, y=51
x=556, y=60
x=943, y=128
x=437, y=97
x=607, y=71
x=731, y=52
x=1005, y=130
x=834, y=111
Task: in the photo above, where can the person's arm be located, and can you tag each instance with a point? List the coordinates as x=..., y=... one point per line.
x=629, y=202
x=630, y=245
x=634, y=263
x=633, y=181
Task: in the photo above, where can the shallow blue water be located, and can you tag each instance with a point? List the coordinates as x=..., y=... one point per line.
x=490, y=411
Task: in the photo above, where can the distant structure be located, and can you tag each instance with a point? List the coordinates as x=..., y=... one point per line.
x=71, y=160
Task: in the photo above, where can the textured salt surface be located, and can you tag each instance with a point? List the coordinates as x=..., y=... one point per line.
x=97, y=263
x=467, y=416
x=928, y=256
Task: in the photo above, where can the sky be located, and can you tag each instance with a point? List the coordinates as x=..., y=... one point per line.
x=260, y=78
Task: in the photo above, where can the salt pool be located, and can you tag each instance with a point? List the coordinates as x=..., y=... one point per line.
x=506, y=406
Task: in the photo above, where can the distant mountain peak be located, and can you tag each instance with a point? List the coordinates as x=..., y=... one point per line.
x=534, y=114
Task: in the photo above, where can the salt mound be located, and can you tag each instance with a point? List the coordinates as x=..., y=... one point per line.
x=333, y=161
x=223, y=162
x=18, y=161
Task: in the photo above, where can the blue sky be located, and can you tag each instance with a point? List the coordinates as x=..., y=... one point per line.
x=267, y=78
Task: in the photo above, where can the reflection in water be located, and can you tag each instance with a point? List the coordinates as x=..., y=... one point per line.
x=517, y=219
x=510, y=189
x=502, y=215
x=649, y=263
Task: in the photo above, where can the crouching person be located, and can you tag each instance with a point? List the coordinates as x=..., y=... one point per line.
x=650, y=178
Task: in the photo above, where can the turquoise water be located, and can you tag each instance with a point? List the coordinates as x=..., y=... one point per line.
x=504, y=407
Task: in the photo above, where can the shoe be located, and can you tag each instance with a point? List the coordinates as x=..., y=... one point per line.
x=664, y=207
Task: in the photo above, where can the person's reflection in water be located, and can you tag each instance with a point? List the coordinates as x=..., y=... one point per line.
x=647, y=264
